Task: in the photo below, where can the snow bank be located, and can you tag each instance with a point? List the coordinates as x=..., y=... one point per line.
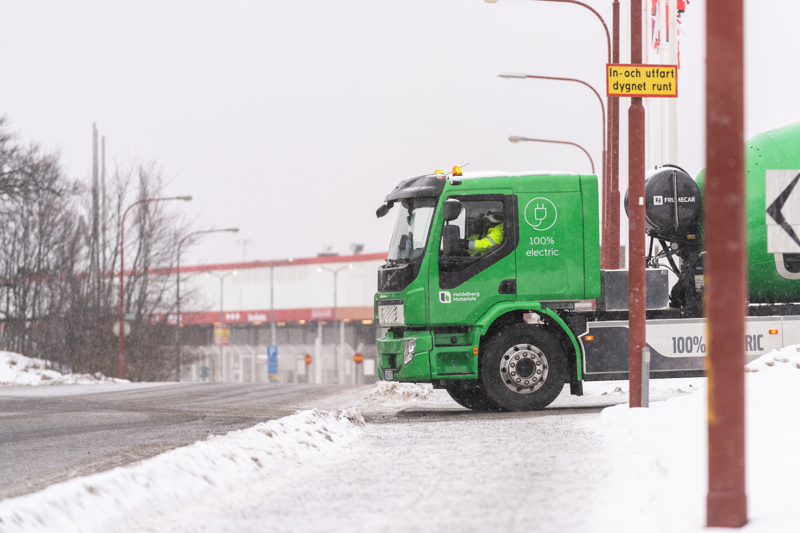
x=661, y=455
x=120, y=497
x=785, y=360
x=16, y=369
x=658, y=387
x=387, y=398
x=394, y=390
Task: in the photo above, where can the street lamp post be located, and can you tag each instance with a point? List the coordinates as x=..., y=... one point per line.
x=122, y=274
x=221, y=319
x=606, y=176
x=178, y=296
x=335, y=318
x=515, y=139
x=611, y=214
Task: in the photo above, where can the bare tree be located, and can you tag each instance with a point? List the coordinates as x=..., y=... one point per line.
x=59, y=254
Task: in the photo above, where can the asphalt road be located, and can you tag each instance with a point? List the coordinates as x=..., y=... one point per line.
x=50, y=434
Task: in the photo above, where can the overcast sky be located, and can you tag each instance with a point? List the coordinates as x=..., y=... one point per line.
x=292, y=120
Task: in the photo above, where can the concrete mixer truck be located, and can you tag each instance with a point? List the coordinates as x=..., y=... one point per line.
x=492, y=288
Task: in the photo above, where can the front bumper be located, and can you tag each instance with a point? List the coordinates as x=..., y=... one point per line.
x=423, y=356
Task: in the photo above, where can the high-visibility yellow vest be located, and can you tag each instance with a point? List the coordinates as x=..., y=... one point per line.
x=492, y=240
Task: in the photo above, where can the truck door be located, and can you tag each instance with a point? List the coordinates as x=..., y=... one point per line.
x=467, y=282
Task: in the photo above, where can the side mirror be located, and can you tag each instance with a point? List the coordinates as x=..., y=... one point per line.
x=451, y=236
x=452, y=208
x=382, y=210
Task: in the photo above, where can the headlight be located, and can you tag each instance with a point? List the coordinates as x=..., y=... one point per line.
x=409, y=345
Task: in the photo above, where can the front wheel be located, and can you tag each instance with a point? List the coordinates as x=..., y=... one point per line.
x=472, y=395
x=523, y=368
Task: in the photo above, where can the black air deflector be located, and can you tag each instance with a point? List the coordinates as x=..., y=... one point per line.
x=429, y=185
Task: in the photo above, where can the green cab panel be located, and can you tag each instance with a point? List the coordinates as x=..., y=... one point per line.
x=558, y=239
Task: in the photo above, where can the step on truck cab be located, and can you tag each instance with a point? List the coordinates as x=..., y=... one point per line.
x=480, y=270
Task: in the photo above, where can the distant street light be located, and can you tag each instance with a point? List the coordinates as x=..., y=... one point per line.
x=515, y=139
x=178, y=291
x=221, y=320
x=122, y=274
x=272, y=337
x=335, y=318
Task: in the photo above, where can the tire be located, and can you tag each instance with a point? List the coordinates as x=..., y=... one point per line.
x=536, y=360
x=472, y=395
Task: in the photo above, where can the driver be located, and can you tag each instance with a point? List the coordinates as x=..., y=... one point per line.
x=489, y=237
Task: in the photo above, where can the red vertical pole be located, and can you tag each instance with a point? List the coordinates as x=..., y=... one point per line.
x=636, y=220
x=725, y=263
x=613, y=139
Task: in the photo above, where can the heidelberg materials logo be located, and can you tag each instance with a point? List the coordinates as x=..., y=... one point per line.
x=445, y=297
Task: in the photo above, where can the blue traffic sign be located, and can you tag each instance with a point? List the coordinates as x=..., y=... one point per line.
x=272, y=362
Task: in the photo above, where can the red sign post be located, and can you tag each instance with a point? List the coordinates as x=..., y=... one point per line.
x=358, y=358
x=308, y=359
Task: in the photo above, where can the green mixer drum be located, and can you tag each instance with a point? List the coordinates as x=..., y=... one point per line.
x=776, y=149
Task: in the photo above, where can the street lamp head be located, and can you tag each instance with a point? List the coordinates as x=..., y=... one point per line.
x=233, y=230
x=515, y=139
x=184, y=198
x=490, y=1
x=513, y=75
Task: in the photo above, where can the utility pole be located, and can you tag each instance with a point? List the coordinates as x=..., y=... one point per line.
x=103, y=210
x=636, y=221
x=726, y=266
x=94, y=248
x=613, y=141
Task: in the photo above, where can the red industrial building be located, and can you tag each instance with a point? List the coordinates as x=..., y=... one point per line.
x=292, y=297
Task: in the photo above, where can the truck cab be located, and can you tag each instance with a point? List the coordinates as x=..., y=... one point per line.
x=479, y=271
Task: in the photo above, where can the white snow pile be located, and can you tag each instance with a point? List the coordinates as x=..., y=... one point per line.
x=658, y=387
x=394, y=390
x=16, y=369
x=661, y=454
x=120, y=497
x=785, y=360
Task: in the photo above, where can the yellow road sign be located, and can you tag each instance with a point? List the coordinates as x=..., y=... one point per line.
x=642, y=80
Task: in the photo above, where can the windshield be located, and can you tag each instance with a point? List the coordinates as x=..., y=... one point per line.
x=412, y=228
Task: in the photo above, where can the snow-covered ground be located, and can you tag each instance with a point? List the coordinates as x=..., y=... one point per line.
x=16, y=369
x=441, y=468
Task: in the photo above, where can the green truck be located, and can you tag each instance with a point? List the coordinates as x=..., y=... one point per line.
x=492, y=288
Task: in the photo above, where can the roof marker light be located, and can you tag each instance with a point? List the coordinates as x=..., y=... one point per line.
x=589, y=338
x=773, y=332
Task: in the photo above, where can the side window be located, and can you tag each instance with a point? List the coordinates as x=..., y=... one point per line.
x=486, y=226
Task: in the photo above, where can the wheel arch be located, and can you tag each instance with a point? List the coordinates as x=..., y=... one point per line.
x=512, y=313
